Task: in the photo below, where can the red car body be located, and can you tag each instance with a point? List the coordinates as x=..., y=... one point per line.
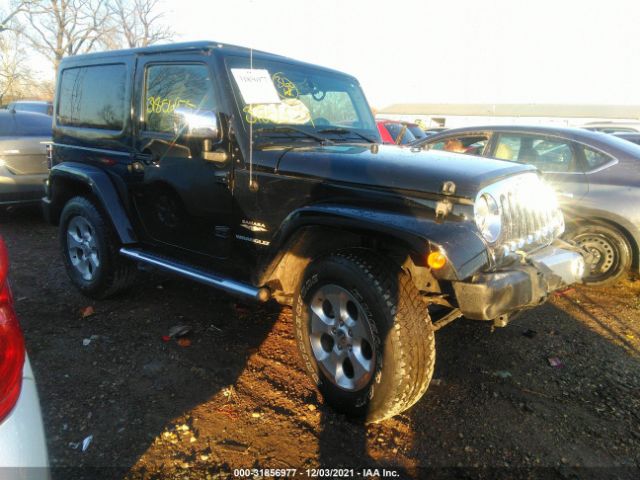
x=12, y=352
x=394, y=132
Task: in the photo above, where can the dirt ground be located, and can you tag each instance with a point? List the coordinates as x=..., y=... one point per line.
x=237, y=397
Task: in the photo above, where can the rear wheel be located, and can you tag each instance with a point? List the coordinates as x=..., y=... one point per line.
x=364, y=334
x=90, y=251
x=611, y=253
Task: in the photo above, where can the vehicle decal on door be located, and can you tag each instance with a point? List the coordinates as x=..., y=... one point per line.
x=257, y=241
x=253, y=226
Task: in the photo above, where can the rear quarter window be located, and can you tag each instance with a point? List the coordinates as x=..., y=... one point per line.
x=93, y=97
x=595, y=159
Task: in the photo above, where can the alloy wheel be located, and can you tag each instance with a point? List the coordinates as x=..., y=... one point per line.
x=82, y=247
x=341, y=337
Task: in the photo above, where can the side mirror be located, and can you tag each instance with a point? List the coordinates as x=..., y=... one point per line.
x=194, y=124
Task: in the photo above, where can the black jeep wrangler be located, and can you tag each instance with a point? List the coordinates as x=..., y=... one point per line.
x=264, y=177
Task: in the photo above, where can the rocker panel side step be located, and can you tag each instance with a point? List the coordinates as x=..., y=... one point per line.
x=228, y=285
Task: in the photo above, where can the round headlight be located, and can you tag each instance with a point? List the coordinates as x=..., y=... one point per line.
x=488, y=218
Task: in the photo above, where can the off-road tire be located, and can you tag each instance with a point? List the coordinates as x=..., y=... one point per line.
x=608, y=241
x=400, y=325
x=115, y=273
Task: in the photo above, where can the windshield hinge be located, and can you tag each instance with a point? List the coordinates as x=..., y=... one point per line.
x=443, y=208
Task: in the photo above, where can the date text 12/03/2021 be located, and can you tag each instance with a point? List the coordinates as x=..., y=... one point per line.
x=316, y=472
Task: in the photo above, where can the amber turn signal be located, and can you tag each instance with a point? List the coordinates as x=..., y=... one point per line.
x=436, y=260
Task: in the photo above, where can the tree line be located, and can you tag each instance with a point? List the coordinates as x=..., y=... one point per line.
x=58, y=28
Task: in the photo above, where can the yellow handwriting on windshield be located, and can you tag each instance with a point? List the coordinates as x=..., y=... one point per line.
x=285, y=87
x=290, y=111
x=166, y=105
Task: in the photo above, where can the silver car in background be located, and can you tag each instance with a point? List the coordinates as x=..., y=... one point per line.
x=596, y=176
x=23, y=156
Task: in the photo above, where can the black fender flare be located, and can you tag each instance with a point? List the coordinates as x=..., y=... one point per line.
x=458, y=240
x=101, y=187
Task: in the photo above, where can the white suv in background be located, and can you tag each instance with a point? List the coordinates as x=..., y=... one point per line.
x=613, y=126
x=23, y=451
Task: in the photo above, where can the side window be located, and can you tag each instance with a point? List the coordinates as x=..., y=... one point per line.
x=595, y=159
x=470, y=144
x=508, y=147
x=93, y=97
x=474, y=145
x=547, y=153
x=168, y=87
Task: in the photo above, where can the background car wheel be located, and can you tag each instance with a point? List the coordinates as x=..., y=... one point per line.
x=90, y=251
x=364, y=334
x=610, y=249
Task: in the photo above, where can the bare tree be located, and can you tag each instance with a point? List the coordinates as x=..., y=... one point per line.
x=66, y=27
x=15, y=78
x=139, y=23
x=15, y=8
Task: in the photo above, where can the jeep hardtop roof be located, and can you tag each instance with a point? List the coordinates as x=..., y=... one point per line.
x=185, y=47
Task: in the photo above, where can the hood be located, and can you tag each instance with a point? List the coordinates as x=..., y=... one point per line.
x=397, y=168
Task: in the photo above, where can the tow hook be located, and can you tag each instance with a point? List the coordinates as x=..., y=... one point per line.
x=504, y=319
x=501, y=321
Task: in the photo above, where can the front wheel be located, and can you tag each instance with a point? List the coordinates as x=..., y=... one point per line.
x=611, y=253
x=90, y=251
x=364, y=334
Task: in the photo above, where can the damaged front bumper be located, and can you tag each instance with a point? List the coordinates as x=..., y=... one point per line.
x=497, y=294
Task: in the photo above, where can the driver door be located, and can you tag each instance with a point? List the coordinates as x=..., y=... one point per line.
x=183, y=200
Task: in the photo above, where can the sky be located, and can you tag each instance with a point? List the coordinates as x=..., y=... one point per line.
x=451, y=51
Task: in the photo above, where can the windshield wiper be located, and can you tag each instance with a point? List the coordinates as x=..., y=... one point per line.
x=284, y=129
x=345, y=131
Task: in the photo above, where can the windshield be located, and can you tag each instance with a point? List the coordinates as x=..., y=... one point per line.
x=273, y=95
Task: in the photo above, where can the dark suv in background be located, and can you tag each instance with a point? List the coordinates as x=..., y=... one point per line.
x=264, y=177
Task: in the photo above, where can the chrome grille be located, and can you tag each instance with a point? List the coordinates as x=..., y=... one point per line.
x=529, y=213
